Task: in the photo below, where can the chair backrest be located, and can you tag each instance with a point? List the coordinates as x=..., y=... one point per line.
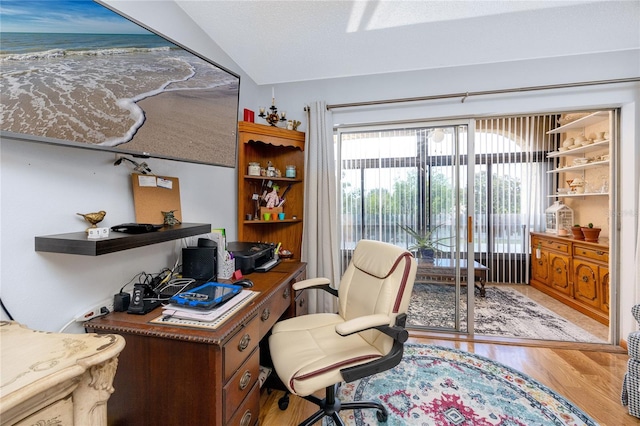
x=379, y=280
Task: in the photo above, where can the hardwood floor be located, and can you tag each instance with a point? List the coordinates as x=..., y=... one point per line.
x=599, y=330
x=588, y=375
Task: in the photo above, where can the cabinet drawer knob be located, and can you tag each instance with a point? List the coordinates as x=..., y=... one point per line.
x=246, y=418
x=245, y=380
x=244, y=342
x=302, y=301
x=539, y=262
x=585, y=278
x=265, y=314
x=286, y=293
x=558, y=270
x=599, y=252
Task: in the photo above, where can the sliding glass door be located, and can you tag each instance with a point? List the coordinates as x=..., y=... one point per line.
x=408, y=186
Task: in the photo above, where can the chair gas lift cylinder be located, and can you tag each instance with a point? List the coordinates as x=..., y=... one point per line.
x=559, y=219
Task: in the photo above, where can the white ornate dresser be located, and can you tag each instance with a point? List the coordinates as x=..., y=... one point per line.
x=54, y=378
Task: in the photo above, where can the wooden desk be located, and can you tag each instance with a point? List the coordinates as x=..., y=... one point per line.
x=172, y=375
x=444, y=270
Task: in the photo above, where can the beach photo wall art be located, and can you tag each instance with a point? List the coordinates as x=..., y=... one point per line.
x=76, y=73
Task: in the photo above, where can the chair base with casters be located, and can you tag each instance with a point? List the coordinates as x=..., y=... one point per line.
x=365, y=337
x=330, y=406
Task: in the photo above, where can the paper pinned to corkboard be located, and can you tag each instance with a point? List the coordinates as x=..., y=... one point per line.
x=153, y=195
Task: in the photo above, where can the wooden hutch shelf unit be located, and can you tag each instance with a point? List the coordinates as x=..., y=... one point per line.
x=572, y=271
x=78, y=243
x=576, y=272
x=260, y=144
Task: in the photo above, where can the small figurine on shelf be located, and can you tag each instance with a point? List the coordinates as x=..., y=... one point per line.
x=296, y=123
x=93, y=218
x=170, y=219
x=272, y=198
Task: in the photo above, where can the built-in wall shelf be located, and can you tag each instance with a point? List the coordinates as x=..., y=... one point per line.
x=584, y=194
x=581, y=123
x=580, y=167
x=78, y=243
x=595, y=146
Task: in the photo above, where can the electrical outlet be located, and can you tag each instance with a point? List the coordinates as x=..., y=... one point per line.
x=96, y=310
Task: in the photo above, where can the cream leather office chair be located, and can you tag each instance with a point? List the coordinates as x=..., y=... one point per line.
x=365, y=337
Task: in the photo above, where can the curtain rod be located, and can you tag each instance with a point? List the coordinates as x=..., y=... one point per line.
x=465, y=95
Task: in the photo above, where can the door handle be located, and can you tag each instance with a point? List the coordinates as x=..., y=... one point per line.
x=469, y=229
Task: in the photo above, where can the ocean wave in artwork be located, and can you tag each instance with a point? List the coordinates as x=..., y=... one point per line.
x=90, y=95
x=58, y=53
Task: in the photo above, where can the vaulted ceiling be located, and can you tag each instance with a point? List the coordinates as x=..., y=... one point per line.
x=288, y=41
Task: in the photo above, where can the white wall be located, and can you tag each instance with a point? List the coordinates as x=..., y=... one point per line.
x=44, y=186
x=44, y=290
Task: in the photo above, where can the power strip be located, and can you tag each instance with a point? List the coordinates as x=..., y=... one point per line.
x=99, y=309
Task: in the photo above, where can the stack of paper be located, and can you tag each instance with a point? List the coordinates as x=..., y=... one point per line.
x=182, y=312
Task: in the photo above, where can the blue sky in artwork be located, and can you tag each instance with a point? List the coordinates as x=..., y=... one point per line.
x=63, y=16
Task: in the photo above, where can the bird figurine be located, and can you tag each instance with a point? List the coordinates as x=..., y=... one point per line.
x=93, y=218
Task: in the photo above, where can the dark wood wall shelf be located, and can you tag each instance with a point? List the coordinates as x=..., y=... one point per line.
x=78, y=243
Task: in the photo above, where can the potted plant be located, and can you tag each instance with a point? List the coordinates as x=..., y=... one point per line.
x=576, y=230
x=426, y=244
x=590, y=233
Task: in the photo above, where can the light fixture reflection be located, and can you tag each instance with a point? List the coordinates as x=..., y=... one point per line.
x=437, y=136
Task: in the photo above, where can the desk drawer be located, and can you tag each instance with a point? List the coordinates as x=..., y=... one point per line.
x=238, y=349
x=247, y=414
x=302, y=303
x=273, y=308
x=591, y=253
x=237, y=389
x=551, y=244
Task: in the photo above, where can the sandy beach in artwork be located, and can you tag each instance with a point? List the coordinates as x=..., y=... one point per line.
x=182, y=124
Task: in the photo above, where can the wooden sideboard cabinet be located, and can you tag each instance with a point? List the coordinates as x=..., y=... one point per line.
x=572, y=271
x=591, y=275
x=174, y=375
x=55, y=378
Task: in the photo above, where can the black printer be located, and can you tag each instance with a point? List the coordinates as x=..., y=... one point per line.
x=253, y=256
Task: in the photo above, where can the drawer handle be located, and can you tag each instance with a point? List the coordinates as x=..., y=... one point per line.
x=285, y=294
x=245, y=380
x=302, y=301
x=265, y=314
x=558, y=270
x=585, y=278
x=599, y=252
x=539, y=262
x=244, y=342
x=246, y=418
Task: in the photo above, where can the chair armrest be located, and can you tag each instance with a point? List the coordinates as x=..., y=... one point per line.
x=320, y=283
x=362, y=323
x=379, y=322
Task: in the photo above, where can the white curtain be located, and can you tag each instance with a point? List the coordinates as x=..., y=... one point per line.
x=320, y=242
x=636, y=296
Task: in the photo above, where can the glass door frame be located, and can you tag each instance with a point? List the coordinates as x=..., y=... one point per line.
x=458, y=162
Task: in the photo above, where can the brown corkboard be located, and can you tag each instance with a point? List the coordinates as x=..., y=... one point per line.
x=153, y=195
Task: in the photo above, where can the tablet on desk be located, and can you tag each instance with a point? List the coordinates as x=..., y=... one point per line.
x=207, y=296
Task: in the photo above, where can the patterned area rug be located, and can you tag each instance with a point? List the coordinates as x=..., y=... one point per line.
x=503, y=312
x=434, y=385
